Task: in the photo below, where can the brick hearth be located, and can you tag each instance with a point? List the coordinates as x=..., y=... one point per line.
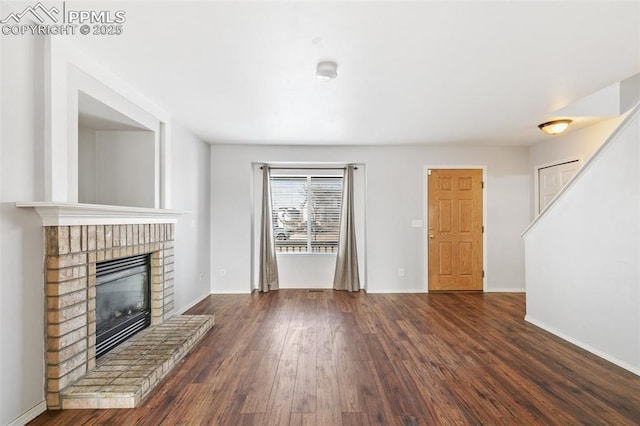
x=126, y=375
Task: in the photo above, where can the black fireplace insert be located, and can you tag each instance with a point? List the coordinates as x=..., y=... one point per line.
x=122, y=300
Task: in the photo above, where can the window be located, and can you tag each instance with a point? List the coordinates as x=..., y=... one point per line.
x=306, y=213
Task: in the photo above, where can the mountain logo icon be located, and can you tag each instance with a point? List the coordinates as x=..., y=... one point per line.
x=36, y=11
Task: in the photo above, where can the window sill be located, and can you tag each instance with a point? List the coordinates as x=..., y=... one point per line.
x=306, y=253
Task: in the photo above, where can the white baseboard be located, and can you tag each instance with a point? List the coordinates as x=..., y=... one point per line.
x=30, y=415
x=606, y=356
x=303, y=286
x=423, y=291
x=397, y=291
x=191, y=305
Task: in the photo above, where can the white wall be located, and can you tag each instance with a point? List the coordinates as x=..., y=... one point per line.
x=581, y=143
x=395, y=183
x=191, y=188
x=303, y=270
x=116, y=168
x=583, y=256
x=125, y=168
x=86, y=165
x=21, y=235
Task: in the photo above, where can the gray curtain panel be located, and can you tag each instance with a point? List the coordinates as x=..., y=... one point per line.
x=346, y=276
x=268, y=262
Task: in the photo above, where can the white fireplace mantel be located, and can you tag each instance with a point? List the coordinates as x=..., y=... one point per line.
x=67, y=214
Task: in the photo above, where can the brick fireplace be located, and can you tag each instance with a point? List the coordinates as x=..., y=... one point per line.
x=77, y=238
x=70, y=270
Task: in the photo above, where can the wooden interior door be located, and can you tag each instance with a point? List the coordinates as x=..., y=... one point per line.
x=455, y=230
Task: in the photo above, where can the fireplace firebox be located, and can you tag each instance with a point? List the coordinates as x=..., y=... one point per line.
x=122, y=300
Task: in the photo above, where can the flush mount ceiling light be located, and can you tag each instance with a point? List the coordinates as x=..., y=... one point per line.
x=327, y=70
x=554, y=127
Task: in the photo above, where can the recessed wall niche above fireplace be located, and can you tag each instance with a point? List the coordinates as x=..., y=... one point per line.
x=118, y=159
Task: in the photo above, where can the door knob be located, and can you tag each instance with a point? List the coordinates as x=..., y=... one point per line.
x=431, y=236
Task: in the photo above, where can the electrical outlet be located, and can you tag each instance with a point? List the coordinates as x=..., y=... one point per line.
x=401, y=272
x=223, y=272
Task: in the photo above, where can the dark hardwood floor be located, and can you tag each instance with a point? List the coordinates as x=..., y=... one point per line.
x=329, y=358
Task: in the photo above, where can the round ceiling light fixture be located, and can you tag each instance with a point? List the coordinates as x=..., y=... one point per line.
x=326, y=70
x=554, y=127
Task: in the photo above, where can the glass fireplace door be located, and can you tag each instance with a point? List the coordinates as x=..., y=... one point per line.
x=122, y=300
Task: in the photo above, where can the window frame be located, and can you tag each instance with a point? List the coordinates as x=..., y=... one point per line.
x=308, y=175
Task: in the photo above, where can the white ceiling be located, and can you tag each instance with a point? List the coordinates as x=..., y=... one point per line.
x=95, y=115
x=473, y=72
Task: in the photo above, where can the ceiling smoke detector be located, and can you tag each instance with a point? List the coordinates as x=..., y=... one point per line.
x=327, y=70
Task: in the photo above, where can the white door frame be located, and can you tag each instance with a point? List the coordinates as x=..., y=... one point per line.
x=425, y=220
x=536, y=177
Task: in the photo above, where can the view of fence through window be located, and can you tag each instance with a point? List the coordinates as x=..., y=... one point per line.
x=306, y=213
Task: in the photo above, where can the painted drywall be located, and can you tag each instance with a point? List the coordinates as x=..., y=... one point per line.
x=191, y=188
x=116, y=168
x=395, y=195
x=306, y=270
x=86, y=165
x=21, y=237
x=126, y=169
x=582, y=255
x=629, y=92
x=581, y=143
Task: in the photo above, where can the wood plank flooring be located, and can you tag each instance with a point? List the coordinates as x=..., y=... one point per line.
x=295, y=357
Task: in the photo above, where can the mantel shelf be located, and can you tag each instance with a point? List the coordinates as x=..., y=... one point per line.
x=66, y=214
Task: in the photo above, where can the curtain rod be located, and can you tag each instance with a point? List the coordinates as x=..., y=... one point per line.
x=308, y=168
